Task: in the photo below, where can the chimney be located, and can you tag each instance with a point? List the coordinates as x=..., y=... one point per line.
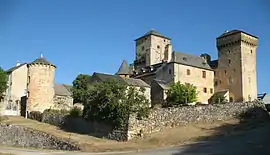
x=18, y=63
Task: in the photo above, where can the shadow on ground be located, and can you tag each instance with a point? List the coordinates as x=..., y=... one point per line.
x=249, y=137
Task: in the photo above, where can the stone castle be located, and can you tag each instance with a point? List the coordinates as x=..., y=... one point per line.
x=233, y=74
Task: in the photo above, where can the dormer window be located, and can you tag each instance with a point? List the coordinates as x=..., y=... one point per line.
x=184, y=58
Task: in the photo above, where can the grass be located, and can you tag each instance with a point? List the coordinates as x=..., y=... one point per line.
x=6, y=153
x=170, y=137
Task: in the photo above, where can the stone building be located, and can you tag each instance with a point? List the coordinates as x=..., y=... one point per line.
x=233, y=72
x=31, y=87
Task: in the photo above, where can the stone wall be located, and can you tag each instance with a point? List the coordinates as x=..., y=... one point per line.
x=162, y=118
x=14, y=135
x=62, y=102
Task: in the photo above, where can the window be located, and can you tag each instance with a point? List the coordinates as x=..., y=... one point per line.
x=188, y=72
x=145, y=38
x=225, y=71
x=216, y=83
x=250, y=51
x=229, y=51
x=203, y=74
x=170, y=71
x=229, y=61
x=211, y=90
x=158, y=46
x=164, y=40
x=214, y=73
x=28, y=94
x=205, y=90
x=28, y=79
x=142, y=48
x=184, y=58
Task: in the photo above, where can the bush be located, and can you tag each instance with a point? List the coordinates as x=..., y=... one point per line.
x=75, y=112
x=179, y=94
x=56, y=111
x=35, y=115
x=218, y=98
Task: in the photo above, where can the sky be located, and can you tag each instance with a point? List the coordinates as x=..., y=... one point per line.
x=86, y=36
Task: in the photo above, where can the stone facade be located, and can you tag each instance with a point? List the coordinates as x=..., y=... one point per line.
x=40, y=87
x=62, y=102
x=17, y=88
x=237, y=66
x=195, y=76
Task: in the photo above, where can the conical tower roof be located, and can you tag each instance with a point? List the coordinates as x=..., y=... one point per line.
x=42, y=61
x=124, y=69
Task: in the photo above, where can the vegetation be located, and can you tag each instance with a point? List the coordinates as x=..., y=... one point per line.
x=3, y=82
x=75, y=112
x=35, y=115
x=80, y=85
x=112, y=102
x=179, y=94
x=218, y=98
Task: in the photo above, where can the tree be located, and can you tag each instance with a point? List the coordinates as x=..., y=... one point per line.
x=80, y=85
x=3, y=82
x=112, y=102
x=181, y=94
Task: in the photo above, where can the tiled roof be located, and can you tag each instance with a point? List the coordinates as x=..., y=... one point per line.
x=129, y=81
x=155, y=33
x=43, y=61
x=163, y=84
x=190, y=60
x=14, y=68
x=62, y=90
x=228, y=33
x=124, y=69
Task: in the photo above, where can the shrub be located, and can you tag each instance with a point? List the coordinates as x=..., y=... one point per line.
x=179, y=94
x=218, y=98
x=75, y=112
x=35, y=115
x=56, y=111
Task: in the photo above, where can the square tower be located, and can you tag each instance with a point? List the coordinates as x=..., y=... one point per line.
x=152, y=48
x=236, y=69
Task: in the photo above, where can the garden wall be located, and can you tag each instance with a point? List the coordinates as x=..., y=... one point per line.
x=171, y=117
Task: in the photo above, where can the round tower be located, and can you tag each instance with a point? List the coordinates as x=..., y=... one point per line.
x=40, y=85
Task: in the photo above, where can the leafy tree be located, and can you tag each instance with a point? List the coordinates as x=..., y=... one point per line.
x=3, y=82
x=218, y=98
x=113, y=102
x=79, y=88
x=181, y=94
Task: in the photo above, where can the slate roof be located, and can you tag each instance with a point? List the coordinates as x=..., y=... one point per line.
x=190, y=60
x=153, y=32
x=14, y=68
x=214, y=64
x=43, y=61
x=234, y=32
x=149, y=70
x=124, y=69
x=62, y=90
x=163, y=84
x=129, y=81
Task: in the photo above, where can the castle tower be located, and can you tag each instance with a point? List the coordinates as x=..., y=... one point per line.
x=236, y=70
x=152, y=48
x=124, y=70
x=40, y=85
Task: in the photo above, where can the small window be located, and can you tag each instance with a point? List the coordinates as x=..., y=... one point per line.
x=170, y=71
x=216, y=83
x=164, y=40
x=225, y=71
x=229, y=51
x=214, y=73
x=229, y=61
x=203, y=74
x=158, y=46
x=219, y=81
x=28, y=94
x=211, y=90
x=142, y=48
x=28, y=79
x=145, y=38
x=250, y=51
x=205, y=90
x=188, y=72
x=184, y=58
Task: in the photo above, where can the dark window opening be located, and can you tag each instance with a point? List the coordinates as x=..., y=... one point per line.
x=205, y=90
x=229, y=61
x=170, y=71
x=225, y=71
x=216, y=83
x=158, y=46
x=203, y=74
x=188, y=72
x=211, y=90
x=251, y=51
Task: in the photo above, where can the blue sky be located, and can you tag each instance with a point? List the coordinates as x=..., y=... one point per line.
x=96, y=35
